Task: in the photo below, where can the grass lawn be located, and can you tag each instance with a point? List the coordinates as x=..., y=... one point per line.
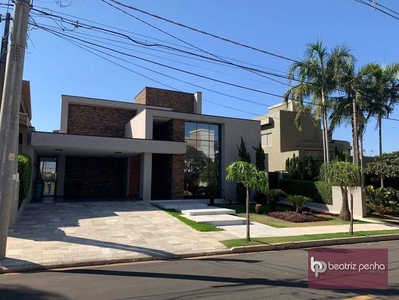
x=191, y=223
x=306, y=237
x=270, y=221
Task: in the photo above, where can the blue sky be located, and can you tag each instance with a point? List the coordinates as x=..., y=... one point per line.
x=56, y=66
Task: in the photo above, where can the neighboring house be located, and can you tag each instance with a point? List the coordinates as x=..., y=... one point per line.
x=112, y=149
x=281, y=139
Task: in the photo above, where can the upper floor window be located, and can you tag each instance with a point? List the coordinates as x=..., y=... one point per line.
x=266, y=139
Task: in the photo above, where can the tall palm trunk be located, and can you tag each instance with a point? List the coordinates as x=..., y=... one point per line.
x=344, y=214
x=380, y=143
x=355, y=135
x=325, y=128
x=247, y=213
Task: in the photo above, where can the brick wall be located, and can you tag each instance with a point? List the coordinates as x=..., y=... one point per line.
x=177, y=101
x=172, y=130
x=100, y=121
x=178, y=176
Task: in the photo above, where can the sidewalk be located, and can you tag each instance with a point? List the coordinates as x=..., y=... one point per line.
x=54, y=235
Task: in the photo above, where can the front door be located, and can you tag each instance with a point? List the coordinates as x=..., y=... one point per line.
x=48, y=171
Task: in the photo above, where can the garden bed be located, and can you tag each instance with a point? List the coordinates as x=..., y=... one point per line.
x=294, y=217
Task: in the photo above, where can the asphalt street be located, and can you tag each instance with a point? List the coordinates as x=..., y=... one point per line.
x=265, y=275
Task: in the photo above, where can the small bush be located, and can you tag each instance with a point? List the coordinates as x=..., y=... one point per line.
x=25, y=174
x=298, y=201
x=382, y=200
x=294, y=217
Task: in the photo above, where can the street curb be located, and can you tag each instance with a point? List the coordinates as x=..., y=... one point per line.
x=235, y=250
x=317, y=243
x=102, y=262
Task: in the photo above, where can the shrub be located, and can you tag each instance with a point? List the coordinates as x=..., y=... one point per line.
x=25, y=173
x=298, y=201
x=324, y=190
x=319, y=191
x=294, y=217
x=382, y=200
x=273, y=195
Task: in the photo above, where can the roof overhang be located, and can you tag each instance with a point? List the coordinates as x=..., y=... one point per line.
x=50, y=144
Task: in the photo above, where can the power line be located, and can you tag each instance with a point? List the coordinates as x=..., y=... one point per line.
x=150, y=45
x=86, y=48
x=376, y=6
x=193, y=46
x=146, y=45
x=204, y=32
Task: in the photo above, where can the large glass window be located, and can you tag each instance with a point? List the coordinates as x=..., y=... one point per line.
x=202, y=167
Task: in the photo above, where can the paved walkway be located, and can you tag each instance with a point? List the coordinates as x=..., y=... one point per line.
x=84, y=233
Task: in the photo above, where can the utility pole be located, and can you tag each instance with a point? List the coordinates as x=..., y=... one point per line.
x=9, y=116
x=3, y=54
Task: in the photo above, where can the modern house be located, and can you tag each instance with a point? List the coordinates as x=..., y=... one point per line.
x=281, y=139
x=154, y=148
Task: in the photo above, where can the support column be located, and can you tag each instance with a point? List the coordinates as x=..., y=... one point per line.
x=145, y=176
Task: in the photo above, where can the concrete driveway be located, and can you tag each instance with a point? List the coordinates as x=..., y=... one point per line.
x=81, y=233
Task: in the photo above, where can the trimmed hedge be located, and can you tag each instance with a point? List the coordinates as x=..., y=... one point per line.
x=25, y=174
x=318, y=191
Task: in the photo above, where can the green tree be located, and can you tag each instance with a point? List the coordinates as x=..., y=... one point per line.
x=247, y=174
x=209, y=176
x=349, y=106
x=243, y=152
x=317, y=75
x=195, y=162
x=384, y=166
x=339, y=155
x=344, y=174
x=244, y=156
x=260, y=156
x=294, y=167
x=311, y=169
x=384, y=91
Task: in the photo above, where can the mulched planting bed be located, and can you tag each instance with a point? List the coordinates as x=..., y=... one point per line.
x=296, y=218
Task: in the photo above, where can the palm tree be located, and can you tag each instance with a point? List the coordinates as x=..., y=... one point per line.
x=384, y=84
x=352, y=106
x=383, y=94
x=247, y=174
x=317, y=77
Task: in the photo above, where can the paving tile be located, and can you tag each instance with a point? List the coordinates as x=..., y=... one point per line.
x=51, y=234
